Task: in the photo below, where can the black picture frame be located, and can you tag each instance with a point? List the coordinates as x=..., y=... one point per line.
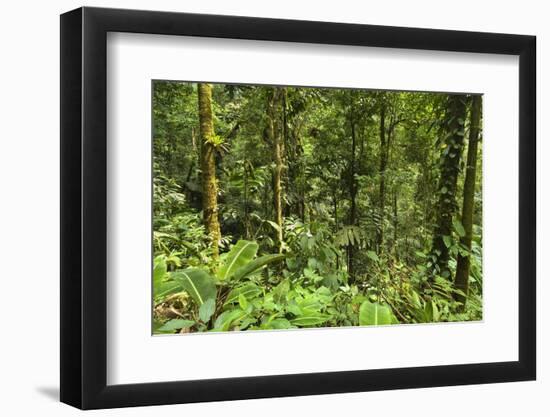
x=84, y=207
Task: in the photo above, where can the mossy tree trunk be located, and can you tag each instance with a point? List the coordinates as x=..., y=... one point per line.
x=386, y=135
x=382, y=185
x=208, y=167
x=452, y=144
x=276, y=141
x=353, y=188
x=463, y=262
x=395, y=223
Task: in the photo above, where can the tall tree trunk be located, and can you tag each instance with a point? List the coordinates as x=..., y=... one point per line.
x=449, y=170
x=463, y=262
x=274, y=135
x=382, y=171
x=246, y=167
x=395, y=223
x=287, y=150
x=352, y=191
x=336, y=223
x=385, y=140
x=208, y=167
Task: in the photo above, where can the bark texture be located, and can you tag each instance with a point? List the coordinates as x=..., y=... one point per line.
x=353, y=187
x=208, y=167
x=382, y=186
x=453, y=142
x=276, y=140
x=463, y=262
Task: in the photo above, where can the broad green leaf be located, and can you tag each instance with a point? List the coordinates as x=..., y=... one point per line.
x=324, y=294
x=243, y=303
x=159, y=270
x=331, y=281
x=310, y=274
x=156, y=326
x=247, y=321
x=435, y=311
x=227, y=318
x=176, y=324
x=310, y=303
x=312, y=319
x=374, y=314
x=429, y=312
x=241, y=254
x=207, y=309
x=277, y=324
x=274, y=225
x=280, y=292
x=459, y=228
x=248, y=290
x=198, y=283
x=294, y=309
x=313, y=263
x=447, y=241
x=167, y=288
x=257, y=264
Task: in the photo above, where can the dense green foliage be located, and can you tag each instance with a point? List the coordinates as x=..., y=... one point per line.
x=335, y=208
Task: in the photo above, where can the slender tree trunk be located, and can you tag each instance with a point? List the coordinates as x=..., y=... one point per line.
x=395, y=223
x=382, y=172
x=193, y=140
x=246, y=167
x=353, y=192
x=208, y=167
x=336, y=221
x=463, y=262
x=288, y=150
x=450, y=167
x=170, y=153
x=335, y=205
x=274, y=134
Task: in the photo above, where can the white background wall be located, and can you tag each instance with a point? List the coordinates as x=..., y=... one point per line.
x=29, y=225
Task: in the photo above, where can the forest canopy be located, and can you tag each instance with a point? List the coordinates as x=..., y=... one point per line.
x=278, y=207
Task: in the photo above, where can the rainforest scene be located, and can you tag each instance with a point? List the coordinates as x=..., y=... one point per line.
x=284, y=207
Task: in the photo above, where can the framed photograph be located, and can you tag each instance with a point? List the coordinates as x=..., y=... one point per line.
x=256, y=208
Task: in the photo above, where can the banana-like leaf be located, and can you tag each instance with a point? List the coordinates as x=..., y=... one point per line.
x=167, y=288
x=280, y=291
x=256, y=264
x=312, y=319
x=277, y=323
x=227, y=318
x=431, y=312
x=248, y=290
x=374, y=314
x=159, y=271
x=176, y=324
x=241, y=254
x=243, y=302
x=198, y=283
x=207, y=309
x=309, y=303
